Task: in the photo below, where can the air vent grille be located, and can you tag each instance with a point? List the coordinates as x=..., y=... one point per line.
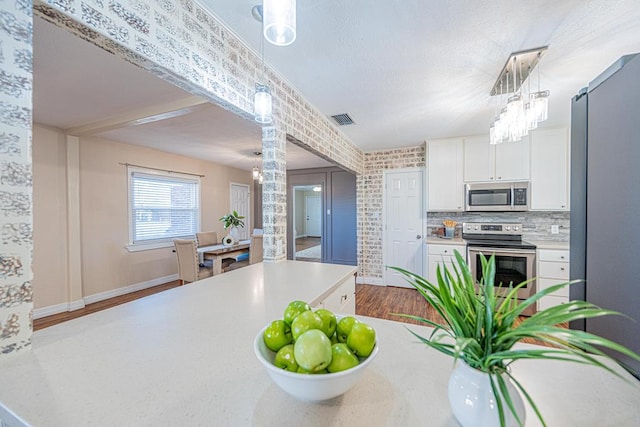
x=343, y=119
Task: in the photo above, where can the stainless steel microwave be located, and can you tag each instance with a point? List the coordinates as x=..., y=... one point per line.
x=497, y=196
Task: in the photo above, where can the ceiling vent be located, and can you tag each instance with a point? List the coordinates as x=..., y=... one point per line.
x=343, y=119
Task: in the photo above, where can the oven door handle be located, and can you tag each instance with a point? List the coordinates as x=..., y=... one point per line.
x=512, y=196
x=502, y=250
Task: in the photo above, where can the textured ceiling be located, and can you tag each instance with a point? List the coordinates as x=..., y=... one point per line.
x=405, y=71
x=412, y=70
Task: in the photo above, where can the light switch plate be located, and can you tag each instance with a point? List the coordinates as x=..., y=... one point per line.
x=555, y=229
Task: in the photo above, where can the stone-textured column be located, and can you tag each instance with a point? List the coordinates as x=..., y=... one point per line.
x=16, y=301
x=274, y=194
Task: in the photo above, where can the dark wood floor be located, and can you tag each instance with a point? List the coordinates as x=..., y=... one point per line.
x=384, y=302
x=101, y=305
x=303, y=243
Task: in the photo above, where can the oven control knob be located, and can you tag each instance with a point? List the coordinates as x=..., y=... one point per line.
x=507, y=227
x=515, y=228
x=476, y=227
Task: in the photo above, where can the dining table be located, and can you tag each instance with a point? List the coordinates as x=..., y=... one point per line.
x=216, y=253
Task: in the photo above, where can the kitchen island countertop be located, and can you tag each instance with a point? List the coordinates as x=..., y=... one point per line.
x=185, y=357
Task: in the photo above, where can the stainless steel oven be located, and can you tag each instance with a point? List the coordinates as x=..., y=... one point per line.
x=515, y=259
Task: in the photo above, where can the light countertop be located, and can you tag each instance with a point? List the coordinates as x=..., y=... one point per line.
x=184, y=357
x=540, y=244
x=432, y=240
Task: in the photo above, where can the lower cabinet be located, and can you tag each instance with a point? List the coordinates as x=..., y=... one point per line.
x=343, y=299
x=442, y=254
x=553, y=268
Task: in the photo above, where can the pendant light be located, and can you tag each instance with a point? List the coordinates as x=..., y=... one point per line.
x=279, y=21
x=262, y=102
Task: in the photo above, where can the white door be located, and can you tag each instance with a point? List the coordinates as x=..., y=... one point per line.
x=240, y=203
x=312, y=207
x=404, y=218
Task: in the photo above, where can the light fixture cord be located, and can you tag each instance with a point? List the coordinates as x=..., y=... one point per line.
x=262, y=45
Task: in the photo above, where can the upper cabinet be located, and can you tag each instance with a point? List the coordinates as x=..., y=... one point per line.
x=550, y=169
x=542, y=158
x=445, y=175
x=484, y=162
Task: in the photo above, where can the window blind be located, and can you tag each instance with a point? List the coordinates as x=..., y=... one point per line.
x=163, y=207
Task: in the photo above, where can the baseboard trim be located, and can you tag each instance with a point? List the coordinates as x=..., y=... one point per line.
x=363, y=280
x=90, y=299
x=50, y=310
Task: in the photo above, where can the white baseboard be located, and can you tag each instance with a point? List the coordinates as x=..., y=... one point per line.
x=363, y=280
x=90, y=299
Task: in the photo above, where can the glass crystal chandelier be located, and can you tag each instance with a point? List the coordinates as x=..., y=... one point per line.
x=279, y=19
x=523, y=111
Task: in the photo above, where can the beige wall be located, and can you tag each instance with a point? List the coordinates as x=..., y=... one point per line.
x=50, y=217
x=106, y=263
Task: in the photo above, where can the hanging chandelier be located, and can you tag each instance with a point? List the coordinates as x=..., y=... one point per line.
x=524, y=109
x=256, y=172
x=279, y=19
x=262, y=102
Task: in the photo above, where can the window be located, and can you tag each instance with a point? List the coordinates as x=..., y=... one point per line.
x=163, y=206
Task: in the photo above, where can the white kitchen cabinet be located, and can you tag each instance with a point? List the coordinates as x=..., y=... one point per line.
x=553, y=268
x=550, y=169
x=484, y=162
x=442, y=254
x=445, y=175
x=343, y=299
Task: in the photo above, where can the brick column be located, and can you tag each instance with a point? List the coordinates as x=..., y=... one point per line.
x=16, y=300
x=274, y=194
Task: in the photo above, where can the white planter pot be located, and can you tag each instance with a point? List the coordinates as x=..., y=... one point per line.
x=472, y=400
x=235, y=233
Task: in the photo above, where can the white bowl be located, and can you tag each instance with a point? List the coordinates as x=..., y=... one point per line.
x=309, y=387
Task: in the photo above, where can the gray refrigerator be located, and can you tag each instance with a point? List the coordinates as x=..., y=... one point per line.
x=605, y=202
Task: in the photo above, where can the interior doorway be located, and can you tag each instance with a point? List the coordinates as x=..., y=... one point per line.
x=307, y=222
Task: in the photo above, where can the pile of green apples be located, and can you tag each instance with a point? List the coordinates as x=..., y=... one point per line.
x=316, y=342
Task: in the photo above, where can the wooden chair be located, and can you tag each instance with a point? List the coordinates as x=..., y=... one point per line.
x=189, y=269
x=255, y=254
x=207, y=238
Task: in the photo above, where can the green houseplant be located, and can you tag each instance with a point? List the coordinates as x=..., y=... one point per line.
x=481, y=327
x=232, y=219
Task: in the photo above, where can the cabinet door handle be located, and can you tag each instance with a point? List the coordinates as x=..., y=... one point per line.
x=561, y=268
x=418, y=237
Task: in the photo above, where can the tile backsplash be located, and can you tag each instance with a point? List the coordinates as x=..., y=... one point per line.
x=535, y=225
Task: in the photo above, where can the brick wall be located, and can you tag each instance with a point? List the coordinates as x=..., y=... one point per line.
x=369, y=205
x=16, y=301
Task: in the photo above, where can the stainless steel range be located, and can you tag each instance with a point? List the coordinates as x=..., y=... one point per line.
x=515, y=259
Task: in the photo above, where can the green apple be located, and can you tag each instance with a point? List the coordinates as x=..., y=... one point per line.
x=277, y=335
x=304, y=322
x=342, y=358
x=293, y=309
x=329, y=321
x=312, y=351
x=284, y=359
x=361, y=339
x=344, y=327
x=334, y=338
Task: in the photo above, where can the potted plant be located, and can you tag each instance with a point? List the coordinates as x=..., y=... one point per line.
x=480, y=329
x=232, y=220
